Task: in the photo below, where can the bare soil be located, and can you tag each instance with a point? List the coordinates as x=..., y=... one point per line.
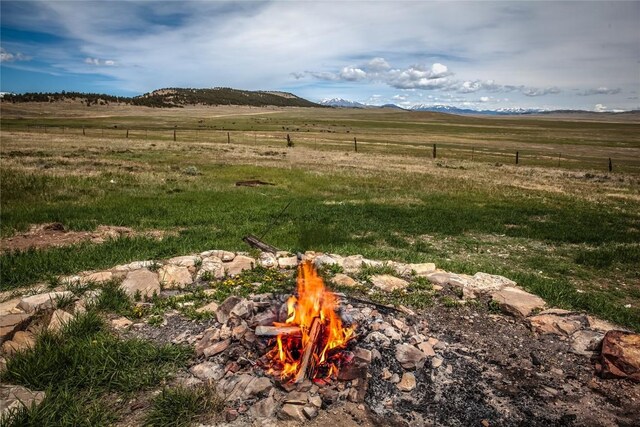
x=55, y=234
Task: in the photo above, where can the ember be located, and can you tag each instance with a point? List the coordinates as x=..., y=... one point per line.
x=314, y=350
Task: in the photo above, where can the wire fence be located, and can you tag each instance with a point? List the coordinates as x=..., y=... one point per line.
x=569, y=156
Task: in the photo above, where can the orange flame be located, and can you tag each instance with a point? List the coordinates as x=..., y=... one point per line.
x=313, y=302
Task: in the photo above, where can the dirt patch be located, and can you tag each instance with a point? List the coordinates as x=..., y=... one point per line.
x=55, y=234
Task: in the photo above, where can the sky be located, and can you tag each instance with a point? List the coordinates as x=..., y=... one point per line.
x=479, y=55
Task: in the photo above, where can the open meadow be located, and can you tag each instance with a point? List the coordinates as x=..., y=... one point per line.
x=559, y=223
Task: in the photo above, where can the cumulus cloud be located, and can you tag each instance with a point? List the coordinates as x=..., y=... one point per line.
x=100, y=62
x=600, y=91
x=11, y=57
x=352, y=74
x=377, y=65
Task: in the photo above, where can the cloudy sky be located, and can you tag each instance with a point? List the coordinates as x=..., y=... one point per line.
x=468, y=54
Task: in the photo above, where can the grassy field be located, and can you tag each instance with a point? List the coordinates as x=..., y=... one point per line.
x=567, y=230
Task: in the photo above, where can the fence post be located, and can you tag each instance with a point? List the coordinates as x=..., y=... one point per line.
x=83, y=134
x=517, y=156
x=434, y=151
x=174, y=134
x=228, y=138
x=610, y=165
x=127, y=133
x=355, y=144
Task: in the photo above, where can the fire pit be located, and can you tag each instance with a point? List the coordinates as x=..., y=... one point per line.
x=309, y=343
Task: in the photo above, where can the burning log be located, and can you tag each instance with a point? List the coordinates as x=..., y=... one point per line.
x=273, y=331
x=306, y=366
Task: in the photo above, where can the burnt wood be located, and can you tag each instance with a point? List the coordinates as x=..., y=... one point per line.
x=254, y=242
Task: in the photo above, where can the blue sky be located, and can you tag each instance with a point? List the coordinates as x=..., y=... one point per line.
x=482, y=55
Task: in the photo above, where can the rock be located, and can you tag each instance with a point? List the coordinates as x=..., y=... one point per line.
x=362, y=355
x=259, y=386
x=422, y=269
x=211, y=266
x=395, y=379
x=388, y=283
x=21, y=341
x=174, y=276
x=290, y=412
x=352, y=264
x=143, y=281
x=325, y=260
x=409, y=356
x=267, y=260
x=288, y=262
x=558, y=325
x=91, y=297
x=585, y=342
x=224, y=311
x=225, y=256
x=601, y=325
x=296, y=398
x=121, y=323
x=386, y=374
x=310, y=412
x=208, y=371
x=263, y=409
x=209, y=337
x=427, y=349
x=13, y=397
x=266, y=318
x=315, y=401
x=378, y=338
x=216, y=348
x=39, y=302
x=9, y=323
x=436, y=362
x=517, y=302
x=184, y=261
x=136, y=265
x=486, y=283
x=10, y=307
x=212, y=307
x=239, y=264
x=59, y=319
x=407, y=383
x=438, y=277
x=344, y=280
x=238, y=332
x=98, y=277
x=243, y=309
x=620, y=356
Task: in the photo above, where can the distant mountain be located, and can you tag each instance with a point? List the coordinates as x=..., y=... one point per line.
x=174, y=97
x=455, y=110
x=339, y=102
x=393, y=106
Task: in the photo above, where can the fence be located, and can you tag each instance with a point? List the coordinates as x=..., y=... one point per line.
x=417, y=145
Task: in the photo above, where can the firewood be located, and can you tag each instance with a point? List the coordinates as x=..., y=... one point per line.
x=306, y=365
x=272, y=331
x=255, y=242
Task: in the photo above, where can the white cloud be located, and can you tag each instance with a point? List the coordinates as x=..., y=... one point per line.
x=352, y=74
x=540, y=91
x=600, y=91
x=377, y=65
x=12, y=57
x=100, y=62
x=484, y=99
x=599, y=108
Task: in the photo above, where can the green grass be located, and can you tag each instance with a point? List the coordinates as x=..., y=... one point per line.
x=80, y=366
x=180, y=407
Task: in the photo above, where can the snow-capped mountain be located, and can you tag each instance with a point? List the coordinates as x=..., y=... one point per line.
x=339, y=102
x=455, y=110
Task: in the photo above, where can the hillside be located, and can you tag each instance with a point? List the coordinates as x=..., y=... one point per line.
x=172, y=97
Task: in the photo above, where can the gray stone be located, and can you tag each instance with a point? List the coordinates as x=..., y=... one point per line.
x=239, y=264
x=296, y=398
x=13, y=397
x=585, y=342
x=315, y=401
x=436, y=362
x=184, y=261
x=174, y=276
x=427, y=349
x=407, y=383
x=266, y=318
x=259, y=386
x=136, y=265
x=362, y=354
x=39, y=302
x=144, y=281
x=267, y=260
x=265, y=408
x=517, y=302
x=378, y=338
x=243, y=309
x=325, y=260
x=9, y=323
x=224, y=311
x=209, y=337
x=388, y=283
x=438, y=277
x=213, y=266
x=409, y=356
x=310, y=412
x=208, y=371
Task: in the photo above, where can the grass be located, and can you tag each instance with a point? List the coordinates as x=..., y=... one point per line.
x=178, y=407
x=553, y=229
x=79, y=367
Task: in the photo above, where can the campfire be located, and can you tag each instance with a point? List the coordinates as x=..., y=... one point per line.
x=309, y=343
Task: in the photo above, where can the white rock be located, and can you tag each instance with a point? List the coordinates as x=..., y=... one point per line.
x=344, y=280
x=174, y=276
x=388, y=283
x=288, y=262
x=143, y=280
x=208, y=371
x=59, y=319
x=407, y=383
x=225, y=256
x=267, y=260
x=97, y=277
x=239, y=264
x=184, y=261
x=212, y=265
x=42, y=301
x=136, y=265
x=517, y=302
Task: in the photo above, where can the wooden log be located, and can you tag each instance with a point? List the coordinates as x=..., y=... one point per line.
x=254, y=242
x=272, y=331
x=306, y=365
